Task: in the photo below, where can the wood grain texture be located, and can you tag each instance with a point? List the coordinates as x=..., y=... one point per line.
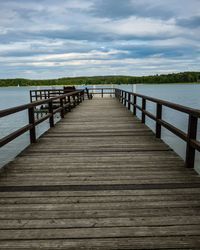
x=99, y=180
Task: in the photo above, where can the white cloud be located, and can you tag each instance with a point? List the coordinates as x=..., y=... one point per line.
x=140, y=27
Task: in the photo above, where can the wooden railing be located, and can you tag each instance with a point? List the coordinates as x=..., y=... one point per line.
x=101, y=91
x=66, y=102
x=129, y=100
x=41, y=94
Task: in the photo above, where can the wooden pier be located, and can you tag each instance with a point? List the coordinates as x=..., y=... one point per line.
x=99, y=179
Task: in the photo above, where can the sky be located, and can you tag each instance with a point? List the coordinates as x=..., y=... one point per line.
x=42, y=39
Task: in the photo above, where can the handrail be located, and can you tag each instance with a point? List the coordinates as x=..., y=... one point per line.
x=102, y=91
x=46, y=93
x=130, y=99
x=9, y=111
x=179, y=107
x=66, y=101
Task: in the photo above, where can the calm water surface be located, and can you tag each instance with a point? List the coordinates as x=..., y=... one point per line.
x=188, y=95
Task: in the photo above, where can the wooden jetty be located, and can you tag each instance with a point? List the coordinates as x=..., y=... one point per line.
x=99, y=179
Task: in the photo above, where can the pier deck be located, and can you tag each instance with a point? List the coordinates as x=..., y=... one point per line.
x=99, y=180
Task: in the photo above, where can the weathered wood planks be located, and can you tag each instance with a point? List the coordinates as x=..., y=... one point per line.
x=99, y=180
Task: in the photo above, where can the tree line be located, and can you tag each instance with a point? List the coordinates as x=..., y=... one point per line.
x=183, y=77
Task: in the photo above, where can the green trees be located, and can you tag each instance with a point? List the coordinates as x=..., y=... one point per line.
x=184, y=77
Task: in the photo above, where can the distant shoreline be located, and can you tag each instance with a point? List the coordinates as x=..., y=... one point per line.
x=175, y=78
x=34, y=86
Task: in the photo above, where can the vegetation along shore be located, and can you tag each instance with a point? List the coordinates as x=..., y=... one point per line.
x=184, y=77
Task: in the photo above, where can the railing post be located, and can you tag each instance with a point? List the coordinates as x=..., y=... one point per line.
x=31, y=97
x=134, y=103
x=74, y=101
x=31, y=118
x=62, y=112
x=65, y=102
x=69, y=102
x=51, y=119
x=192, y=134
x=101, y=93
x=125, y=97
x=143, y=109
x=158, y=117
x=129, y=100
x=117, y=94
x=80, y=96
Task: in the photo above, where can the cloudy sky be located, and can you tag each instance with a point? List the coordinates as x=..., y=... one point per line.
x=57, y=38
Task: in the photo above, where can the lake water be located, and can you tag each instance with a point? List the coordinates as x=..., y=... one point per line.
x=188, y=95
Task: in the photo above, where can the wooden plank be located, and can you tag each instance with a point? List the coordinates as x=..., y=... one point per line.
x=99, y=206
x=104, y=193
x=98, y=213
x=101, y=199
x=105, y=244
x=89, y=233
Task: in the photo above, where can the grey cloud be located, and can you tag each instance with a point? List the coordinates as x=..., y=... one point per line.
x=193, y=22
x=124, y=9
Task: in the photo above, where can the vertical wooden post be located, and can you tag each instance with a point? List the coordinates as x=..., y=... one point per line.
x=62, y=112
x=134, y=103
x=121, y=96
x=36, y=96
x=192, y=134
x=65, y=102
x=31, y=98
x=74, y=100
x=51, y=119
x=80, y=97
x=125, y=98
x=69, y=102
x=32, y=122
x=129, y=100
x=101, y=93
x=158, y=117
x=143, y=109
